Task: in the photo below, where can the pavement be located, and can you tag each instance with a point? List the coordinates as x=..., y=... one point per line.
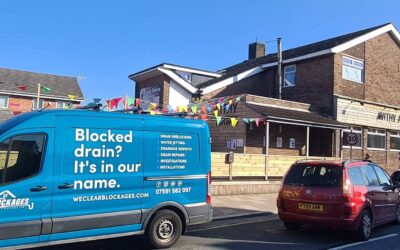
x=243, y=205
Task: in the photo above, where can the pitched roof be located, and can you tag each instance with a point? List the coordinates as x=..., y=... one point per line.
x=295, y=116
x=60, y=86
x=289, y=54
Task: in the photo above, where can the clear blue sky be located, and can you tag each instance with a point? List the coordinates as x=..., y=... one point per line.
x=105, y=41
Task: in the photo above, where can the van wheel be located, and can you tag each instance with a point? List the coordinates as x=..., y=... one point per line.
x=164, y=230
x=292, y=226
x=365, y=228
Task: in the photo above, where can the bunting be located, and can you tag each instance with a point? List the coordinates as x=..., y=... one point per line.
x=234, y=122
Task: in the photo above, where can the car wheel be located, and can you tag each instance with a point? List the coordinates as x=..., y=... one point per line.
x=365, y=228
x=292, y=226
x=164, y=230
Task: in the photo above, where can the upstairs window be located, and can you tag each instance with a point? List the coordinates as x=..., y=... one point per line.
x=185, y=75
x=289, y=73
x=376, y=138
x=3, y=101
x=352, y=69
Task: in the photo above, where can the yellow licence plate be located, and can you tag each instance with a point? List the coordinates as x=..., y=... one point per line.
x=311, y=207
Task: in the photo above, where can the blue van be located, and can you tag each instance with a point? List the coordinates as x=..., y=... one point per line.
x=75, y=175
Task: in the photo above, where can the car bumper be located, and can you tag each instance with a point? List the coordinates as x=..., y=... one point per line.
x=199, y=213
x=349, y=223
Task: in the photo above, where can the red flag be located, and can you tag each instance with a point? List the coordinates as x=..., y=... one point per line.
x=204, y=117
x=23, y=87
x=137, y=102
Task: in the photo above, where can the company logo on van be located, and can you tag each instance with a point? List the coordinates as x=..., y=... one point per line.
x=9, y=201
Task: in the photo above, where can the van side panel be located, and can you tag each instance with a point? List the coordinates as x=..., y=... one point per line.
x=176, y=164
x=98, y=176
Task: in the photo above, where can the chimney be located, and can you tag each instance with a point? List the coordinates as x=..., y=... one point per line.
x=256, y=50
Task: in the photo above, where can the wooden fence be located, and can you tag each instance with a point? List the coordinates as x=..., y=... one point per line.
x=254, y=165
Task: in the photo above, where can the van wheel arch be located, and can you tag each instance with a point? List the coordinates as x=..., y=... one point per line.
x=178, y=209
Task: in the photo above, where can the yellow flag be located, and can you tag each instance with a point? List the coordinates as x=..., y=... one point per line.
x=180, y=109
x=72, y=97
x=230, y=102
x=185, y=108
x=234, y=121
x=152, y=112
x=216, y=113
x=219, y=106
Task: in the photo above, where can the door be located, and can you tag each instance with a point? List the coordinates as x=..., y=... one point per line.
x=25, y=187
x=390, y=194
x=376, y=194
x=98, y=176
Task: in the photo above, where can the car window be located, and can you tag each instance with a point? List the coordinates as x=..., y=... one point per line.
x=20, y=157
x=314, y=175
x=382, y=176
x=370, y=174
x=355, y=176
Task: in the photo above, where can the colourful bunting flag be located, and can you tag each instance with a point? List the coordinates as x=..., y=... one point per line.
x=234, y=122
x=23, y=87
x=152, y=105
x=209, y=108
x=152, y=112
x=180, y=109
x=246, y=120
x=131, y=101
x=216, y=113
x=238, y=98
x=227, y=107
x=185, y=108
x=96, y=100
x=47, y=89
x=204, y=117
x=251, y=119
x=219, y=106
x=218, y=120
x=170, y=109
x=137, y=102
x=72, y=97
x=203, y=109
x=194, y=109
x=108, y=102
x=257, y=121
x=230, y=102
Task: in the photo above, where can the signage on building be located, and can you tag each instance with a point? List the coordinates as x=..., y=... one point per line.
x=150, y=94
x=388, y=117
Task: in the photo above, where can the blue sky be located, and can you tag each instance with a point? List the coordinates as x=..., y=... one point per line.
x=105, y=41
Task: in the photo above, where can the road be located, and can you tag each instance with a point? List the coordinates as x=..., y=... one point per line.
x=255, y=232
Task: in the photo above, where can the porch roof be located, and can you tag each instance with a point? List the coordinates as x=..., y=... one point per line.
x=295, y=116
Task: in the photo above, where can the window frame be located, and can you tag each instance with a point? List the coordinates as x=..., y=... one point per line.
x=45, y=135
x=397, y=135
x=352, y=130
x=293, y=72
x=33, y=104
x=7, y=102
x=352, y=65
x=377, y=134
x=384, y=172
x=64, y=104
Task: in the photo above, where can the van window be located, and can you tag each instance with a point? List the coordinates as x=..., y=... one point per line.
x=20, y=157
x=382, y=176
x=369, y=172
x=314, y=175
x=355, y=176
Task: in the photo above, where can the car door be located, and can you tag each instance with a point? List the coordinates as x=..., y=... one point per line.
x=25, y=186
x=98, y=176
x=390, y=193
x=376, y=194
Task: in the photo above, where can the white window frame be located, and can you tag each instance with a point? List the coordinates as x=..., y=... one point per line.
x=286, y=68
x=352, y=65
x=356, y=130
x=7, y=102
x=395, y=134
x=379, y=134
x=33, y=104
x=63, y=104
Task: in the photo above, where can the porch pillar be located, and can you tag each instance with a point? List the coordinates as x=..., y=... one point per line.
x=266, y=148
x=308, y=142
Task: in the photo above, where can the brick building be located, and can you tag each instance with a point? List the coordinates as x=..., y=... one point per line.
x=353, y=79
x=19, y=91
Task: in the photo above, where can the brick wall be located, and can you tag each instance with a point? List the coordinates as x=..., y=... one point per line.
x=20, y=104
x=161, y=82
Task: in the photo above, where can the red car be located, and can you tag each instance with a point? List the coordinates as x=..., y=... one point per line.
x=351, y=195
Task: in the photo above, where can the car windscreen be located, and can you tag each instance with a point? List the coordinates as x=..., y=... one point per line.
x=305, y=175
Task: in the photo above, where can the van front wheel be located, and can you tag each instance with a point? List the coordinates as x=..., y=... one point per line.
x=164, y=230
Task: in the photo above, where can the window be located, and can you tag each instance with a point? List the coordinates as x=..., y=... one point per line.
x=20, y=157
x=395, y=140
x=34, y=104
x=376, y=138
x=61, y=104
x=3, y=101
x=384, y=179
x=314, y=175
x=352, y=69
x=289, y=76
x=369, y=172
x=358, y=132
x=355, y=176
x=185, y=75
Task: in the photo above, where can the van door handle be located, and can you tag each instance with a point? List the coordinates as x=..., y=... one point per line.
x=38, y=189
x=65, y=186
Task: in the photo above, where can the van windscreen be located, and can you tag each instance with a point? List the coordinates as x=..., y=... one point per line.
x=314, y=175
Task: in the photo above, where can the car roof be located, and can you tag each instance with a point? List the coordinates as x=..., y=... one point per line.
x=340, y=163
